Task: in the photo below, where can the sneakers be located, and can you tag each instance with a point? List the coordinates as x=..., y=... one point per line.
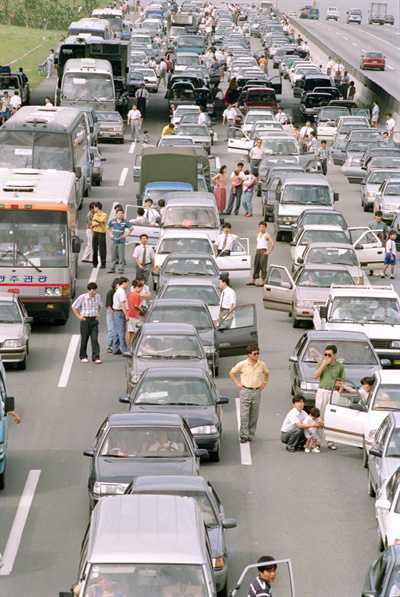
x=307, y=450
x=383, y=275
x=109, y=348
x=97, y=362
x=84, y=360
x=316, y=450
x=331, y=446
x=391, y=276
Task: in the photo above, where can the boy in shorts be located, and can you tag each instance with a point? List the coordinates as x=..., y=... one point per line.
x=310, y=433
x=390, y=257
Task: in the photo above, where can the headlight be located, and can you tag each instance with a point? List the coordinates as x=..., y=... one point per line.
x=204, y=430
x=395, y=344
x=371, y=433
x=50, y=291
x=310, y=386
x=305, y=304
x=109, y=488
x=209, y=349
x=12, y=343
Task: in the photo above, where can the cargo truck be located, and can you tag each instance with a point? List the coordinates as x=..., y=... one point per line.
x=377, y=13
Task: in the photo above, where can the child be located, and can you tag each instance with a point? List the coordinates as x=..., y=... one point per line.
x=146, y=138
x=311, y=432
x=236, y=181
x=390, y=257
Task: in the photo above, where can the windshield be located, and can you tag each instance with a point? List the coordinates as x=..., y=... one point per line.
x=200, y=318
x=9, y=82
x=324, y=278
x=329, y=114
x=346, y=128
x=379, y=176
x=173, y=391
x=320, y=236
x=193, y=41
x=173, y=346
x=332, y=255
x=365, y=310
x=29, y=149
x=190, y=267
x=393, y=444
x=183, y=60
x=184, y=245
x=159, y=442
x=202, y=499
x=349, y=353
x=306, y=194
x=196, y=131
x=252, y=118
x=174, y=140
x=393, y=189
x=207, y=294
x=387, y=397
x=88, y=87
x=280, y=146
x=109, y=117
x=135, y=579
x=9, y=312
x=325, y=219
x=197, y=217
x=33, y=238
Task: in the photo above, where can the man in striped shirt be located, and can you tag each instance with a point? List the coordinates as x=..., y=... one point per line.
x=323, y=157
x=261, y=586
x=87, y=309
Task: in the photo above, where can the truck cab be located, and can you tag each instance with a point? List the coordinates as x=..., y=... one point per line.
x=332, y=14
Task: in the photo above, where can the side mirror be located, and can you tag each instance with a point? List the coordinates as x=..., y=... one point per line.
x=375, y=451
x=127, y=355
x=222, y=400
x=286, y=285
x=335, y=196
x=359, y=247
x=229, y=523
x=125, y=399
x=300, y=260
x=293, y=359
x=9, y=404
x=28, y=320
x=323, y=312
x=382, y=504
x=76, y=244
x=386, y=363
x=292, y=243
x=138, y=196
x=358, y=407
x=78, y=171
x=155, y=274
x=89, y=452
x=201, y=452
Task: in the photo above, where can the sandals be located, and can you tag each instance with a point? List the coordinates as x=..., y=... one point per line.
x=250, y=284
x=332, y=446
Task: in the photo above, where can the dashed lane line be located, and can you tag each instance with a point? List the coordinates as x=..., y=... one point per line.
x=69, y=359
x=123, y=176
x=132, y=147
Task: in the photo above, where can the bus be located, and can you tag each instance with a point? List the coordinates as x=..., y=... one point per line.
x=41, y=137
x=89, y=82
x=114, y=16
x=97, y=27
x=39, y=243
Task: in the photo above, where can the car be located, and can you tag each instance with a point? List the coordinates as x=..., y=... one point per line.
x=299, y=295
x=181, y=110
x=395, y=225
x=355, y=351
x=192, y=211
x=97, y=168
x=135, y=81
x=384, y=454
x=204, y=494
x=175, y=141
x=131, y=444
x=190, y=393
x=387, y=198
x=150, y=78
x=383, y=575
x=345, y=124
x=111, y=126
x=192, y=117
x=203, y=290
x=387, y=511
x=255, y=117
x=335, y=254
x=198, y=132
x=321, y=216
x=311, y=103
x=311, y=233
x=372, y=182
x=352, y=420
x=372, y=60
x=389, y=20
x=6, y=406
x=15, y=330
x=326, y=120
x=198, y=265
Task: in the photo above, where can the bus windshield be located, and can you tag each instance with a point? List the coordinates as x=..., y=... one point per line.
x=87, y=86
x=30, y=149
x=33, y=239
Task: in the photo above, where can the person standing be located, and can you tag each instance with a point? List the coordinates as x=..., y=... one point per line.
x=99, y=227
x=202, y=117
x=390, y=124
x=261, y=586
x=312, y=145
x=374, y=115
x=118, y=229
x=327, y=371
x=134, y=121
x=264, y=246
x=163, y=72
x=144, y=258
x=220, y=188
x=142, y=96
x=133, y=299
x=15, y=102
x=263, y=62
x=121, y=317
x=227, y=301
x=329, y=66
x=47, y=102
x=379, y=226
x=88, y=252
x=50, y=63
x=324, y=157
x=294, y=425
x=254, y=377
x=351, y=91
x=237, y=178
x=223, y=242
x=257, y=153
x=249, y=186
x=228, y=117
x=150, y=212
x=87, y=309
x=5, y=107
x=390, y=256
x=110, y=315
x=169, y=129
x=305, y=130
x=144, y=294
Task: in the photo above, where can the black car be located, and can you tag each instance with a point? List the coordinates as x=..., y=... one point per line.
x=383, y=576
x=190, y=393
x=128, y=445
x=355, y=351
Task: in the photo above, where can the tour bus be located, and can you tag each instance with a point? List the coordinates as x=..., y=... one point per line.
x=89, y=82
x=114, y=16
x=97, y=27
x=39, y=245
x=41, y=137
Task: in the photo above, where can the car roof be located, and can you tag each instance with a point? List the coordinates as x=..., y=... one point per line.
x=149, y=419
x=189, y=282
x=306, y=178
x=327, y=245
x=386, y=291
x=319, y=210
x=326, y=266
x=7, y=297
x=171, y=482
x=165, y=329
x=322, y=227
x=338, y=336
x=387, y=376
x=192, y=234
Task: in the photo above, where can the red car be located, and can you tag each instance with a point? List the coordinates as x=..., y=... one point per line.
x=372, y=60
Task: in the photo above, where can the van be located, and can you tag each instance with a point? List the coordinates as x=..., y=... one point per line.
x=296, y=193
x=309, y=82
x=6, y=405
x=146, y=545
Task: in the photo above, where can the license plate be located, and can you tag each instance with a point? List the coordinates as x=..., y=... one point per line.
x=396, y=362
x=288, y=223
x=105, y=134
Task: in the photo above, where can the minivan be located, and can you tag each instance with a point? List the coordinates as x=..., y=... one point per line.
x=146, y=545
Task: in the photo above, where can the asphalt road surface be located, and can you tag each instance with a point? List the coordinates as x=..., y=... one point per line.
x=312, y=508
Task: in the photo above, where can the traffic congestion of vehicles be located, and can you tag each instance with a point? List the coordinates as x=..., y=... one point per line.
x=157, y=495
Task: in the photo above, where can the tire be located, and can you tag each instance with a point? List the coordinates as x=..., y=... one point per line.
x=365, y=207
x=60, y=321
x=216, y=371
x=365, y=456
x=215, y=457
x=2, y=479
x=122, y=141
x=21, y=366
x=278, y=236
x=371, y=490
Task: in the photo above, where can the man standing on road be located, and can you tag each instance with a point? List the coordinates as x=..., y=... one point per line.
x=253, y=379
x=87, y=309
x=134, y=121
x=292, y=430
x=223, y=242
x=150, y=213
x=378, y=226
x=261, y=586
x=228, y=117
x=236, y=190
x=306, y=130
x=50, y=63
x=121, y=317
x=324, y=157
x=87, y=256
x=264, y=246
x=327, y=371
x=257, y=153
x=202, y=117
x=142, y=96
x=118, y=229
x=390, y=124
x=163, y=72
x=374, y=115
x=99, y=227
x=144, y=258
x=227, y=301
x=15, y=102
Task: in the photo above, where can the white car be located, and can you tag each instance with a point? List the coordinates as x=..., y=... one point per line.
x=180, y=111
x=312, y=233
x=387, y=510
x=255, y=117
x=150, y=78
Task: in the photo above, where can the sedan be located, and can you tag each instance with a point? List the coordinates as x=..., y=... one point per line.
x=372, y=60
x=339, y=254
x=15, y=330
x=97, y=168
x=387, y=511
x=387, y=199
x=203, y=290
x=198, y=132
x=355, y=351
x=313, y=233
x=128, y=445
x=193, y=117
x=190, y=393
x=150, y=78
x=202, y=491
x=323, y=217
x=198, y=265
x=384, y=455
x=371, y=184
x=111, y=126
x=383, y=576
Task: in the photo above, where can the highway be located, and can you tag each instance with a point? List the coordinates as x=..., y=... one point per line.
x=312, y=508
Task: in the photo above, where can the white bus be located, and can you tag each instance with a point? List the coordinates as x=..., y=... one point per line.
x=114, y=16
x=88, y=82
x=39, y=242
x=97, y=27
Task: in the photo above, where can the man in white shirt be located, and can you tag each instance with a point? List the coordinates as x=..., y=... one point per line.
x=256, y=155
x=306, y=130
x=142, y=96
x=149, y=212
x=228, y=117
x=15, y=102
x=163, y=72
x=227, y=300
x=223, y=242
x=390, y=124
x=134, y=121
x=47, y=102
x=120, y=308
x=292, y=430
x=144, y=258
x=329, y=66
x=280, y=116
x=202, y=118
x=338, y=67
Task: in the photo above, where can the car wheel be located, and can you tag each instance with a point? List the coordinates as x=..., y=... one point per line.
x=371, y=490
x=122, y=141
x=365, y=456
x=216, y=371
x=22, y=364
x=365, y=207
x=224, y=591
x=215, y=457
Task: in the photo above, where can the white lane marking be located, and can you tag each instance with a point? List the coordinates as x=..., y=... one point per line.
x=381, y=39
x=391, y=67
x=217, y=162
x=69, y=359
x=123, y=176
x=337, y=32
x=10, y=552
x=94, y=274
x=354, y=44
x=245, y=452
x=215, y=137
x=346, y=38
x=132, y=147
x=364, y=50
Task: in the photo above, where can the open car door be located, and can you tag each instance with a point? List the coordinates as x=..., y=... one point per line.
x=278, y=289
x=276, y=84
x=238, y=263
x=237, y=330
x=345, y=417
x=152, y=230
x=368, y=247
x=136, y=170
x=239, y=142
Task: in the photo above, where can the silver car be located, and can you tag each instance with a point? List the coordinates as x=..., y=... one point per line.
x=198, y=132
x=370, y=185
x=111, y=126
x=384, y=455
x=387, y=199
x=15, y=330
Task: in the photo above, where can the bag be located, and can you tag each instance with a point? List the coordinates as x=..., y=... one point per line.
x=143, y=309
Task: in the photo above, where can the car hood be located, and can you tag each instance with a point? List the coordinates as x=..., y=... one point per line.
x=374, y=331
x=140, y=365
x=195, y=416
x=311, y=294
x=122, y=470
x=295, y=209
x=11, y=331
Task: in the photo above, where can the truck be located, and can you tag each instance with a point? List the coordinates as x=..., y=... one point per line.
x=377, y=13
x=309, y=12
x=15, y=82
x=89, y=82
x=187, y=20
x=332, y=14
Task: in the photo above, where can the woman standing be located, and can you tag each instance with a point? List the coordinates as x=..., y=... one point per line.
x=220, y=191
x=249, y=184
